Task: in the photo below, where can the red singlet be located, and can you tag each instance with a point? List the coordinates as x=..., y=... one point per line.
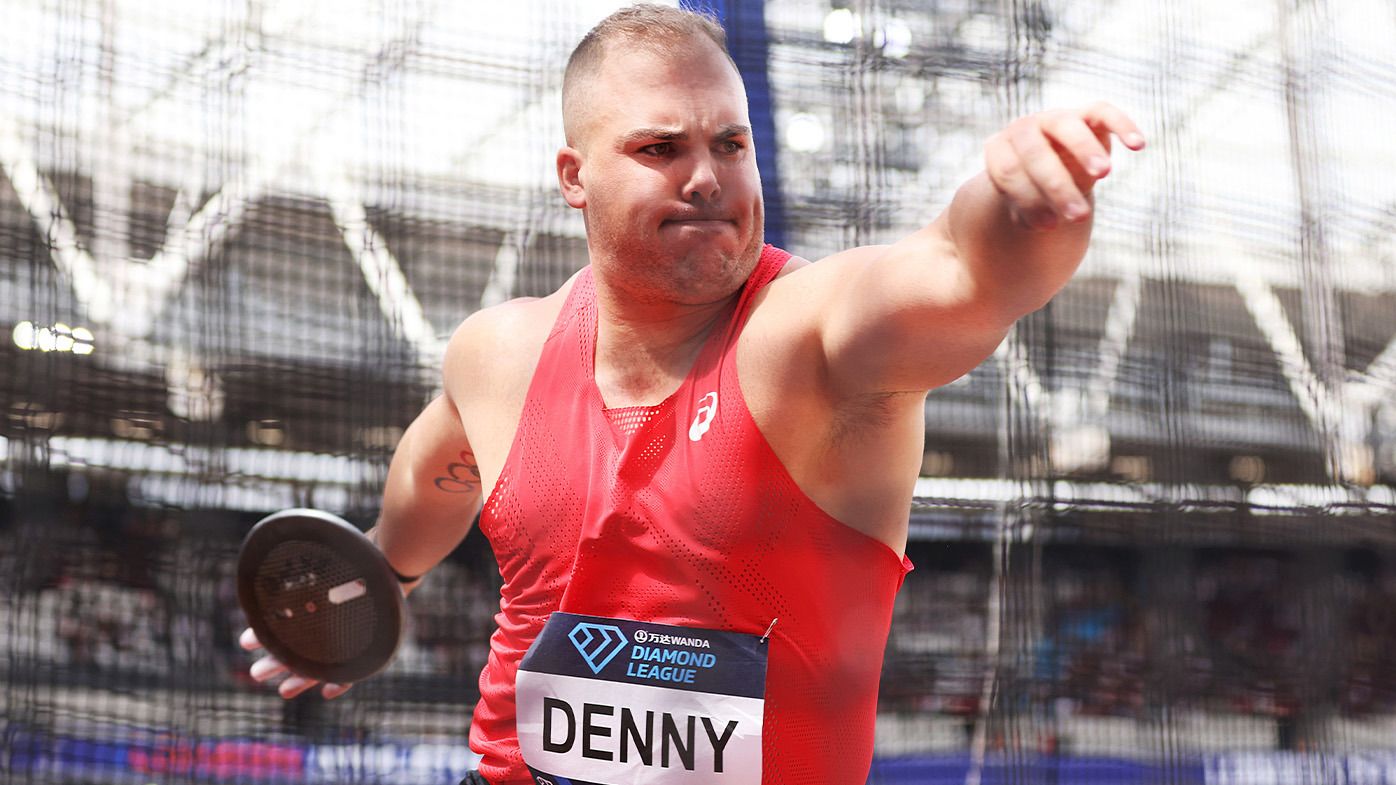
x=681, y=514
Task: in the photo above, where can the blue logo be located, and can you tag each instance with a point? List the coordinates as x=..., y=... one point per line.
x=597, y=643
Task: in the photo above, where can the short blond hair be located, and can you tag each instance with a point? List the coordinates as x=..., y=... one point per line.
x=654, y=27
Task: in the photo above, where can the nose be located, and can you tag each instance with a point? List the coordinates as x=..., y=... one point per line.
x=702, y=180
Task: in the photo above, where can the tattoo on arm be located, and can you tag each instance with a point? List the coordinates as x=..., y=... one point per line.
x=460, y=477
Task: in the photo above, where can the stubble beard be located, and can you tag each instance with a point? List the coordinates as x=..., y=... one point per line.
x=655, y=273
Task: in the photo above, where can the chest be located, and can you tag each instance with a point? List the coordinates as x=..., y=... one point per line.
x=688, y=466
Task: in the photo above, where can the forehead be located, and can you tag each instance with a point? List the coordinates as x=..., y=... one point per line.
x=685, y=82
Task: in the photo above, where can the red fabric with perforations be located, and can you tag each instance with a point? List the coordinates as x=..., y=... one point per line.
x=620, y=513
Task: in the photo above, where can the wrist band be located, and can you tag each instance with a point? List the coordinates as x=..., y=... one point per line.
x=403, y=578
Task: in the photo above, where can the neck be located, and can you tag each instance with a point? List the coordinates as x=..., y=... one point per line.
x=644, y=350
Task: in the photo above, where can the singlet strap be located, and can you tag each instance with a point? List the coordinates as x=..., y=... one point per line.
x=772, y=261
x=579, y=297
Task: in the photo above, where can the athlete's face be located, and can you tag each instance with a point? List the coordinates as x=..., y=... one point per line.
x=664, y=169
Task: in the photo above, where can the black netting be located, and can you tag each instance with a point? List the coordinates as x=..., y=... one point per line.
x=1154, y=532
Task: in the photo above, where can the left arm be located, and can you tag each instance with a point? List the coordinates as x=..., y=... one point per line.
x=922, y=312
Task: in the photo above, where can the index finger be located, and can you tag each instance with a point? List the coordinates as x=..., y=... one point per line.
x=248, y=640
x=1108, y=117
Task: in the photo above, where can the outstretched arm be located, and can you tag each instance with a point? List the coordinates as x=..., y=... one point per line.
x=922, y=312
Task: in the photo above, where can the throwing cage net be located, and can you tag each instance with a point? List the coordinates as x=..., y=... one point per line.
x=1153, y=533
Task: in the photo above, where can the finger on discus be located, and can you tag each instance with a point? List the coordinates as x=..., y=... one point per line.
x=295, y=685
x=248, y=640
x=266, y=669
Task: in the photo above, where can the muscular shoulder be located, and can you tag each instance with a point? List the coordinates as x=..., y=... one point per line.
x=495, y=349
x=854, y=453
x=786, y=301
x=787, y=315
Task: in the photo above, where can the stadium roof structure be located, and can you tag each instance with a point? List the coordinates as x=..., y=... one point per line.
x=246, y=206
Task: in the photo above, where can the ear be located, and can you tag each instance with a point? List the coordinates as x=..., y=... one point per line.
x=569, y=177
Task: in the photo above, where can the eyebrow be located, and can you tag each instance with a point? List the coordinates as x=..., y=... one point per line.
x=670, y=134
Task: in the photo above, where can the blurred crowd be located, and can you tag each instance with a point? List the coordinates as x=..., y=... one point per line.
x=1086, y=631
x=1101, y=632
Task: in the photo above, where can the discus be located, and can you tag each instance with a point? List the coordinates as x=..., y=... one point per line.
x=320, y=596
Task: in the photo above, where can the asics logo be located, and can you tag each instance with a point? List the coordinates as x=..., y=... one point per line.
x=707, y=410
x=597, y=643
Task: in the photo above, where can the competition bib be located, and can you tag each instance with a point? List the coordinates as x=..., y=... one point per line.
x=617, y=702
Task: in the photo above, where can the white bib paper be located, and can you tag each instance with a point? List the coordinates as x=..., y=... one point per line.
x=617, y=702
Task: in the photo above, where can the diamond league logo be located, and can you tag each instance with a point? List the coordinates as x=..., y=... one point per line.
x=597, y=643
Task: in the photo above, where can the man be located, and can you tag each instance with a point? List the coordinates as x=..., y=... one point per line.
x=705, y=442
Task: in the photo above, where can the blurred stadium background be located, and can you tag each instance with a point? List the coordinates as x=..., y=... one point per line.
x=1154, y=535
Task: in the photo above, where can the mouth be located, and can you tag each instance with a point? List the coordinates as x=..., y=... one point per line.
x=700, y=223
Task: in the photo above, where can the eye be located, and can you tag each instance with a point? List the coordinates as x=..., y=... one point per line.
x=659, y=149
x=731, y=147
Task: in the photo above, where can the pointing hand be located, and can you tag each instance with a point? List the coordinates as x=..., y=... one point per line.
x=1046, y=164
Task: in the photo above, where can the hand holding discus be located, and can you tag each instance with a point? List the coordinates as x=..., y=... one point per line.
x=321, y=598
